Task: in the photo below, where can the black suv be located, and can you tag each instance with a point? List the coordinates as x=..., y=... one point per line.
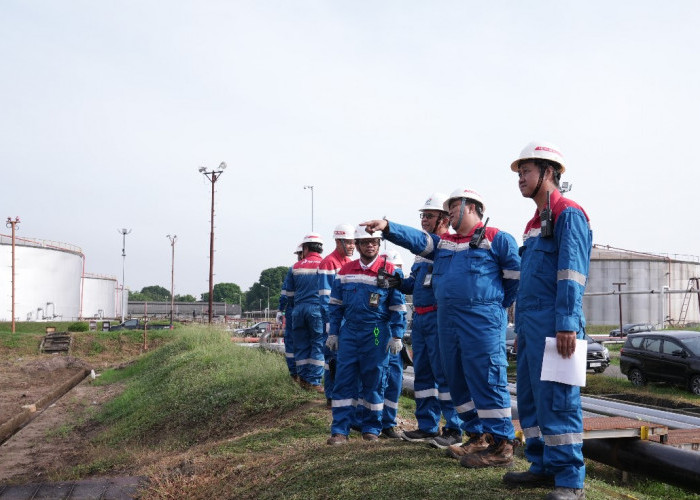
x=667, y=356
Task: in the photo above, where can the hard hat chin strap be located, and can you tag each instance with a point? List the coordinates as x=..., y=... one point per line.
x=345, y=248
x=438, y=220
x=461, y=212
x=539, y=182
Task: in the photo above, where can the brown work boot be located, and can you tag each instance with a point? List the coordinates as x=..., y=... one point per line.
x=337, y=439
x=311, y=387
x=498, y=454
x=368, y=436
x=475, y=443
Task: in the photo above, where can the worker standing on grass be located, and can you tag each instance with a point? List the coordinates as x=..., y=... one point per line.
x=344, y=236
x=393, y=369
x=475, y=277
x=555, y=260
x=367, y=323
x=430, y=387
x=284, y=316
x=307, y=324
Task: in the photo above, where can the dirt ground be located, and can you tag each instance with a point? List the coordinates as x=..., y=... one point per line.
x=41, y=444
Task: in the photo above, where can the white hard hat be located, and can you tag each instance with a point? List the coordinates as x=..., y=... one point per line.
x=460, y=193
x=361, y=234
x=540, y=150
x=435, y=202
x=393, y=257
x=344, y=232
x=312, y=238
x=299, y=249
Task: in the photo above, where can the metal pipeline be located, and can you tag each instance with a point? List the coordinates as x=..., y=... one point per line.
x=661, y=462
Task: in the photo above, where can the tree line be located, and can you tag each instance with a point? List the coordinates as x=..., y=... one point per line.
x=255, y=299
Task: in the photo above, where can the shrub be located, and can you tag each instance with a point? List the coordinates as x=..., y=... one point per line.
x=78, y=327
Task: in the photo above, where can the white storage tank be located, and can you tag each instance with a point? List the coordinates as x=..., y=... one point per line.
x=100, y=296
x=647, y=274
x=47, y=280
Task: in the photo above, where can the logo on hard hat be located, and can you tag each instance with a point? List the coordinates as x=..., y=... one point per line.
x=544, y=148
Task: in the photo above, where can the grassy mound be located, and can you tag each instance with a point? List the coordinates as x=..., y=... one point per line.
x=197, y=387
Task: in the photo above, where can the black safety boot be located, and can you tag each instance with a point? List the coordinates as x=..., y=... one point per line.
x=527, y=480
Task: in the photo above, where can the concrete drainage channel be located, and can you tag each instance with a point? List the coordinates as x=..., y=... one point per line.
x=662, y=462
x=114, y=488
x=31, y=411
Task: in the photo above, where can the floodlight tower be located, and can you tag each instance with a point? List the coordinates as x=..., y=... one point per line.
x=213, y=176
x=123, y=231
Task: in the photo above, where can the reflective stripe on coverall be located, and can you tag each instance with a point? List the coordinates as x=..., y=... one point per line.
x=431, y=392
x=326, y=274
x=307, y=325
x=372, y=315
x=553, y=279
x=473, y=287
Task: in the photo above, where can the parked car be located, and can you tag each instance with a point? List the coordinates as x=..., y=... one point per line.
x=510, y=343
x=255, y=330
x=628, y=328
x=137, y=324
x=668, y=356
x=597, y=355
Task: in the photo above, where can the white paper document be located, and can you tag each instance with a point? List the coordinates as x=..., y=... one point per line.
x=571, y=371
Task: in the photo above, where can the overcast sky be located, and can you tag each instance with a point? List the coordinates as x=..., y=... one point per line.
x=108, y=109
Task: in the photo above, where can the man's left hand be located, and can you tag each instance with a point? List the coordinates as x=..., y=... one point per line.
x=395, y=345
x=566, y=343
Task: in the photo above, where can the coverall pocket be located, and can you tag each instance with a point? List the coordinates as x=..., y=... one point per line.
x=441, y=263
x=563, y=397
x=546, y=255
x=497, y=374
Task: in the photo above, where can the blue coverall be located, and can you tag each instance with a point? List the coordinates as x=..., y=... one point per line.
x=431, y=391
x=392, y=382
x=286, y=305
x=326, y=274
x=553, y=279
x=372, y=315
x=307, y=325
x=473, y=288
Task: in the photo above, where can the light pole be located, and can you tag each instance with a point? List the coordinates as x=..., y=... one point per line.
x=212, y=175
x=172, y=239
x=12, y=223
x=123, y=232
x=619, y=303
x=312, y=205
x=268, y=300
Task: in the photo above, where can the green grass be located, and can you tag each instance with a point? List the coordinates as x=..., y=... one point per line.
x=239, y=428
x=197, y=386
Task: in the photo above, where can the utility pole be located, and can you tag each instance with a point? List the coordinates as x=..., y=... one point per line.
x=12, y=223
x=619, y=303
x=123, y=232
x=312, y=206
x=213, y=176
x=267, y=311
x=172, y=239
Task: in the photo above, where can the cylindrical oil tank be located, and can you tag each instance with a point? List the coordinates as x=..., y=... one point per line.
x=99, y=294
x=47, y=280
x=640, y=272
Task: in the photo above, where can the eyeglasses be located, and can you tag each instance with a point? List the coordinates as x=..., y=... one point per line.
x=423, y=215
x=369, y=242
